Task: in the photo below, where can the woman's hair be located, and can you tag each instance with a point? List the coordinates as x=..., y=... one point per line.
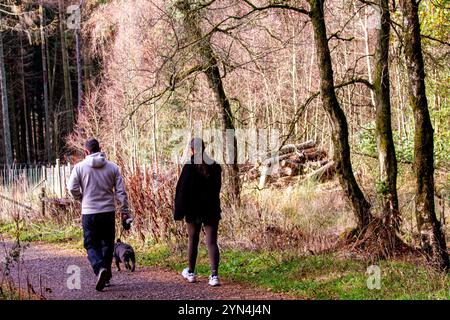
x=198, y=147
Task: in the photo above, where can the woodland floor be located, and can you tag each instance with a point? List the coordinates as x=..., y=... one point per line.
x=45, y=266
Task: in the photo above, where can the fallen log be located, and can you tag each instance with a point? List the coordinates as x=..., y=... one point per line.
x=315, y=165
x=322, y=174
x=290, y=148
x=290, y=171
x=289, y=161
x=312, y=154
x=266, y=171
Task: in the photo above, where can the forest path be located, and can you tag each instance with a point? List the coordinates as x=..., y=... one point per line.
x=46, y=267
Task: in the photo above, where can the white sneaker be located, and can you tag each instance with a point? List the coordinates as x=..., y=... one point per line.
x=189, y=276
x=214, y=281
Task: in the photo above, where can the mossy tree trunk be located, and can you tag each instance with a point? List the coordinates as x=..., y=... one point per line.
x=432, y=235
x=206, y=58
x=387, y=188
x=339, y=126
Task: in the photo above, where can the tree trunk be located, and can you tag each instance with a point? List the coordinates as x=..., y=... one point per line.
x=24, y=103
x=66, y=73
x=47, y=108
x=385, y=142
x=207, y=59
x=79, y=65
x=14, y=118
x=432, y=235
x=154, y=140
x=339, y=127
x=5, y=105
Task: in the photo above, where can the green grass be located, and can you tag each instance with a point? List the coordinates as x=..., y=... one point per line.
x=312, y=277
x=48, y=232
x=6, y=294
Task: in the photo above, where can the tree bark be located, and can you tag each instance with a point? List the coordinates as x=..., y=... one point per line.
x=339, y=127
x=47, y=108
x=66, y=73
x=207, y=59
x=432, y=235
x=385, y=143
x=5, y=105
x=24, y=103
x=79, y=65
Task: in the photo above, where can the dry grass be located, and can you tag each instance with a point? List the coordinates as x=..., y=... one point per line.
x=19, y=196
x=303, y=218
x=151, y=200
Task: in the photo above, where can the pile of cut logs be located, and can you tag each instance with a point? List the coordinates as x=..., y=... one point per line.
x=292, y=162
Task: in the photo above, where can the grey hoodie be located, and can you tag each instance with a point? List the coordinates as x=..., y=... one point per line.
x=97, y=182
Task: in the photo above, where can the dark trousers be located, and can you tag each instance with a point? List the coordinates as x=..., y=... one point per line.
x=211, y=242
x=99, y=233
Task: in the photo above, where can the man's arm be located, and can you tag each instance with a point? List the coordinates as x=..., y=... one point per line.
x=121, y=194
x=74, y=185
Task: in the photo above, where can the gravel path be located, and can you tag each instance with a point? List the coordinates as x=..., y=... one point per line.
x=46, y=266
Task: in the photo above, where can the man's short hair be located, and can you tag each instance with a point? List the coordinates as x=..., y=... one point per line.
x=92, y=146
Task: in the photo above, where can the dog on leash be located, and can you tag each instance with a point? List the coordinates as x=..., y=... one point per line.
x=124, y=253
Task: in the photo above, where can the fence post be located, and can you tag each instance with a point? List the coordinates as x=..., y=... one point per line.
x=58, y=170
x=69, y=166
x=42, y=197
x=44, y=175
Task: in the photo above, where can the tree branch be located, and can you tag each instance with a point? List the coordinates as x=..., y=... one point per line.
x=354, y=81
x=277, y=6
x=434, y=39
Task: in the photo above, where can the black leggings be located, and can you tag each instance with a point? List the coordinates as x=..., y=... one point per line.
x=211, y=241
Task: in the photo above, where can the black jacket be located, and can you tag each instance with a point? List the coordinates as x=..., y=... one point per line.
x=197, y=197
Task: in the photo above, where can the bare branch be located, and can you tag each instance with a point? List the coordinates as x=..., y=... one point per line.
x=277, y=6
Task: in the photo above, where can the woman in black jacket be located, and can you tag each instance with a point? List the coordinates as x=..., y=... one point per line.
x=197, y=201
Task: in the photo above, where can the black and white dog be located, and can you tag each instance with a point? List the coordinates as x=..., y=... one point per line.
x=124, y=253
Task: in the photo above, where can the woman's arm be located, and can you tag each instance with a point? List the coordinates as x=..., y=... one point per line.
x=182, y=194
x=218, y=180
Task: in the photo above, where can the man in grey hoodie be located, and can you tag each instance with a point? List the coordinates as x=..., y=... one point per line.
x=97, y=183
